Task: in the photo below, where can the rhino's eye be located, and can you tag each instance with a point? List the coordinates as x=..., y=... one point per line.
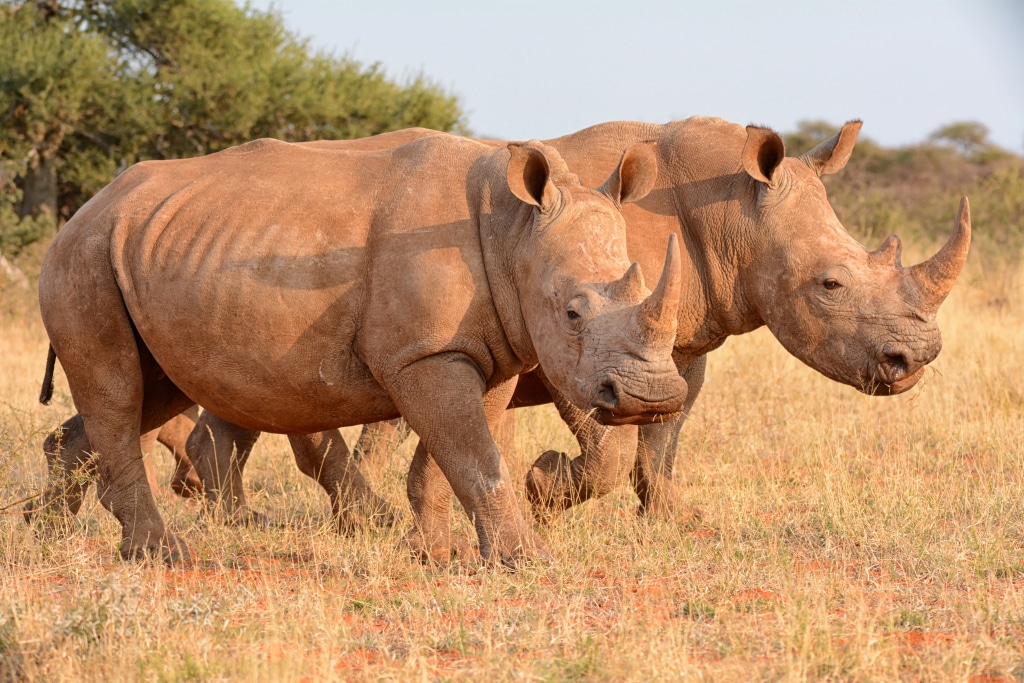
x=574, y=311
x=831, y=283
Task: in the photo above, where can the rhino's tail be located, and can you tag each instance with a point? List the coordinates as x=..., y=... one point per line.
x=47, y=392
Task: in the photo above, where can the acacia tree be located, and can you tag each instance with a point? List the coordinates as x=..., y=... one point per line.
x=88, y=87
x=51, y=77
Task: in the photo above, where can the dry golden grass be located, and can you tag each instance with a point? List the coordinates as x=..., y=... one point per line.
x=844, y=537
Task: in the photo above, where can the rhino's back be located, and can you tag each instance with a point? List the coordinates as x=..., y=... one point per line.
x=248, y=273
x=241, y=273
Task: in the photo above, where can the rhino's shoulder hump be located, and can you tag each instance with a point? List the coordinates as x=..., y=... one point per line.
x=255, y=146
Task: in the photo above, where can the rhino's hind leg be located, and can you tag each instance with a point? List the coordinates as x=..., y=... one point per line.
x=123, y=488
x=173, y=435
x=71, y=469
x=325, y=457
x=219, y=450
x=376, y=440
x=445, y=402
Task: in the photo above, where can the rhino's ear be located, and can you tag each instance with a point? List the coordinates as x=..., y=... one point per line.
x=529, y=175
x=635, y=176
x=763, y=153
x=831, y=155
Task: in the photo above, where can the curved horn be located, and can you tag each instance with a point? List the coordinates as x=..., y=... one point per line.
x=934, y=278
x=658, y=313
x=889, y=253
x=630, y=286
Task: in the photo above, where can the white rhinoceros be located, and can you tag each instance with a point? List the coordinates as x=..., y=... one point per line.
x=759, y=241
x=295, y=289
x=762, y=246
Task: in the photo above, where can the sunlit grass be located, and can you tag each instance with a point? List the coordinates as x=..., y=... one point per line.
x=843, y=537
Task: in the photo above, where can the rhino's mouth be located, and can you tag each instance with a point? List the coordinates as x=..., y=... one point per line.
x=616, y=405
x=891, y=377
x=607, y=417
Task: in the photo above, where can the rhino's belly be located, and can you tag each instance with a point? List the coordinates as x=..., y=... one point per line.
x=263, y=364
x=264, y=350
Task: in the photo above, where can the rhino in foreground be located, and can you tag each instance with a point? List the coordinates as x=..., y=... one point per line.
x=295, y=289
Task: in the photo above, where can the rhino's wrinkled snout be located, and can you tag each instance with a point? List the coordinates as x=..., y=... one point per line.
x=615, y=404
x=899, y=369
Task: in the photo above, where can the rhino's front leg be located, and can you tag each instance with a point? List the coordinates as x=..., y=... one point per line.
x=430, y=497
x=325, y=457
x=607, y=454
x=656, y=456
x=446, y=403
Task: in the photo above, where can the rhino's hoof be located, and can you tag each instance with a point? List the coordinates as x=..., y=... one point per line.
x=532, y=553
x=186, y=484
x=50, y=521
x=29, y=511
x=168, y=549
x=252, y=518
x=671, y=510
x=241, y=516
x=384, y=516
x=441, y=550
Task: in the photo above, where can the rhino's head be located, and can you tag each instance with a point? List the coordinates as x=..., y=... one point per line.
x=603, y=339
x=856, y=316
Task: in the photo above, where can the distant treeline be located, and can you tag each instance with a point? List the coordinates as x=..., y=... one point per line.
x=89, y=87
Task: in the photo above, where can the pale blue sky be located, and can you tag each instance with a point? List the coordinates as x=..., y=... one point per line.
x=535, y=69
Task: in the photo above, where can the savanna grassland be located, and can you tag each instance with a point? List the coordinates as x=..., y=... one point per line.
x=843, y=537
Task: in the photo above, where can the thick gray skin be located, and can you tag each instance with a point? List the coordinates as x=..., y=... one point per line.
x=520, y=284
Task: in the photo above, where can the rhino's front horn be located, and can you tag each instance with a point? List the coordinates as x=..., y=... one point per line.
x=934, y=278
x=658, y=313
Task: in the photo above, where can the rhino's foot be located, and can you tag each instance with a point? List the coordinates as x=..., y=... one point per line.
x=526, y=550
x=441, y=549
x=185, y=482
x=241, y=516
x=374, y=513
x=549, y=485
x=166, y=548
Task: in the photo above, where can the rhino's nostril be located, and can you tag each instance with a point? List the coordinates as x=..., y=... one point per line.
x=896, y=366
x=607, y=395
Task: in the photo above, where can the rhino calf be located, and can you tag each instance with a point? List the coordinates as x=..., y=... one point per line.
x=296, y=289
